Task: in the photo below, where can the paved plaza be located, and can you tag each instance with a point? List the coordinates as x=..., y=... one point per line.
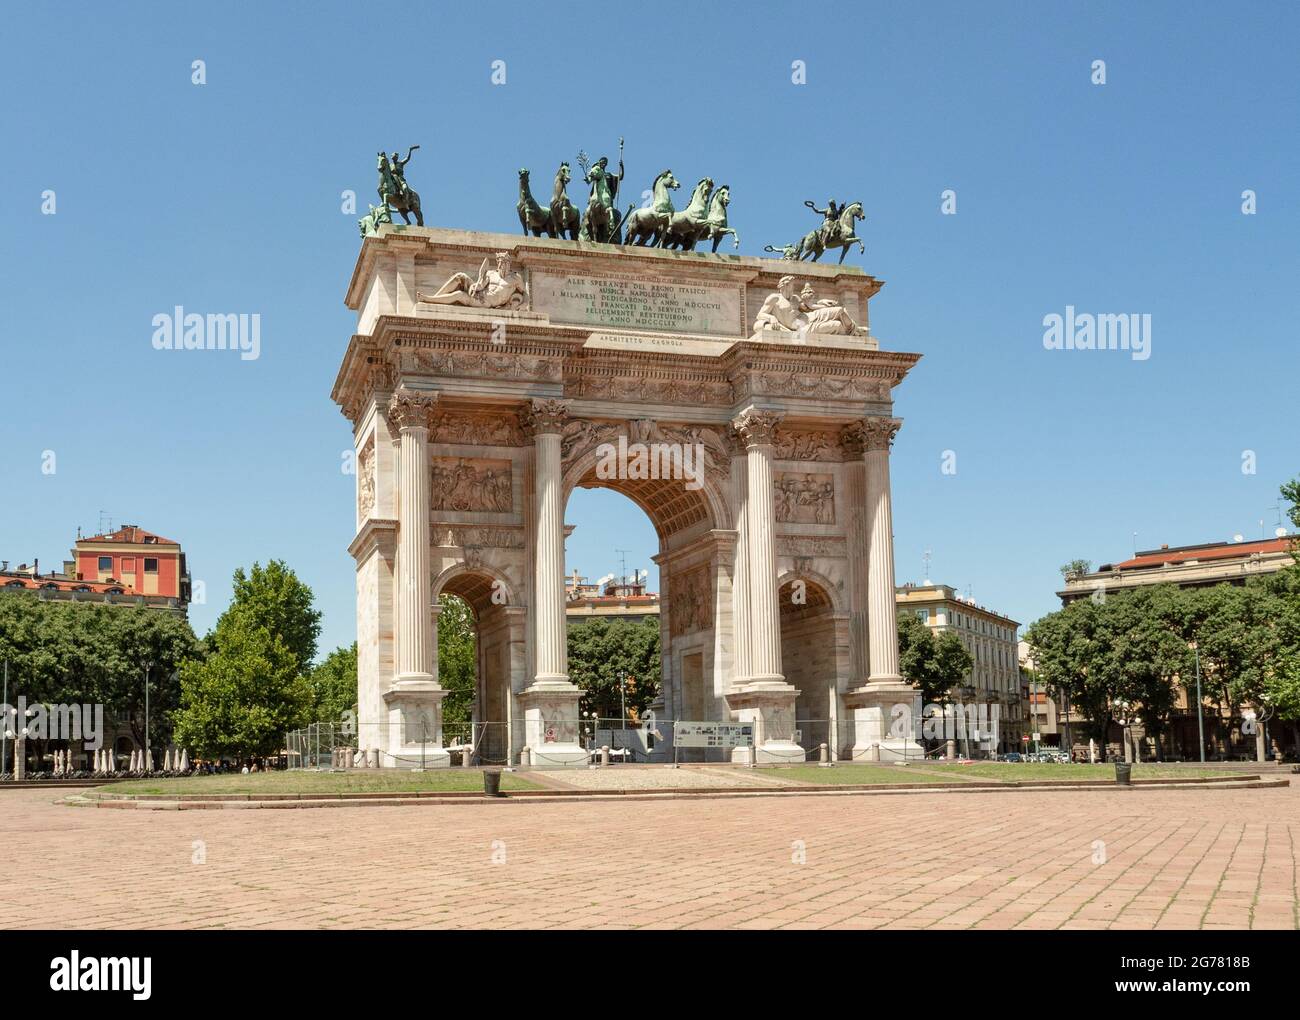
x=1006, y=859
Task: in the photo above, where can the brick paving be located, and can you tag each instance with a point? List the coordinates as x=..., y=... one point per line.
x=1172, y=859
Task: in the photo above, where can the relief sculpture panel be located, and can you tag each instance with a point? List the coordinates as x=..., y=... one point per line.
x=804, y=498
x=690, y=601
x=471, y=485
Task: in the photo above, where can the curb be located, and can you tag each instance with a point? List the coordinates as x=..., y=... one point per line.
x=216, y=802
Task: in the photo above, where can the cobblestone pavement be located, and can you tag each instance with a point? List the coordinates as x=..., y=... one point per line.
x=1030, y=859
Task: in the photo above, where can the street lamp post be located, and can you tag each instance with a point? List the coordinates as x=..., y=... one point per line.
x=1200, y=716
x=147, y=667
x=4, y=723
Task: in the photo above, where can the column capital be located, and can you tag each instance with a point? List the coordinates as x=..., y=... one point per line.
x=756, y=428
x=408, y=408
x=870, y=434
x=543, y=417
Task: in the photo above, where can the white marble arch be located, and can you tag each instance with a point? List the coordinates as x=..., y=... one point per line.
x=677, y=356
x=695, y=665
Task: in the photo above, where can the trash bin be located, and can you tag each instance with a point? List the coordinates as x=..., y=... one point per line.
x=1123, y=771
x=492, y=782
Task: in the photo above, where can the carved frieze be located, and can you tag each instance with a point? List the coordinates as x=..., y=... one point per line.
x=470, y=485
x=692, y=392
x=475, y=429
x=808, y=384
x=366, y=479
x=811, y=545
x=480, y=537
x=490, y=364
x=690, y=600
x=806, y=446
x=803, y=498
x=582, y=435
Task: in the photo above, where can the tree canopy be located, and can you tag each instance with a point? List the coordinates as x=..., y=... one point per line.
x=90, y=653
x=253, y=686
x=933, y=663
x=607, y=654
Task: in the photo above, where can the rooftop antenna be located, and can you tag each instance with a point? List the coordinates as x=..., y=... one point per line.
x=1135, y=543
x=105, y=515
x=1278, y=508
x=926, y=572
x=622, y=559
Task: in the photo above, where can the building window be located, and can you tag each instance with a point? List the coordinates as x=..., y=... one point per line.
x=150, y=565
x=106, y=563
x=923, y=615
x=16, y=584
x=128, y=564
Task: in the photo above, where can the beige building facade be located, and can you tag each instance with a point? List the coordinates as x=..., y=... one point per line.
x=991, y=640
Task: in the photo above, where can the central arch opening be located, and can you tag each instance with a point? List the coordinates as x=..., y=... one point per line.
x=622, y=619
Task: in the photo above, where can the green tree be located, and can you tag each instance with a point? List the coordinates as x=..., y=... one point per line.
x=243, y=698
x=90, y=653
x=932, y=663
x=1076, y=567
x=1065, y=651
x=253, y=686
x=1291, y=493
x=334, y=685
x=274, y=598
x=457, y=663
x=606, y=655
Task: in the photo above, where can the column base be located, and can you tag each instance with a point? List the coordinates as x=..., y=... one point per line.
x=885, y=715
x=414, y=732
x=551, y=723
x=768, y=703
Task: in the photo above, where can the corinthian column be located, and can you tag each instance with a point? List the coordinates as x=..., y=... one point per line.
x=740, y=576
x=550, y=703
x=757, y=430
x=882, y=607
x=886, y=710
x=412, y=737
x=409, y=410
x=853, y=439
x=545, y=420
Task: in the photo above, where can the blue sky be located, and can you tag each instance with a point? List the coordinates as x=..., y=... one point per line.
x=1122, y=197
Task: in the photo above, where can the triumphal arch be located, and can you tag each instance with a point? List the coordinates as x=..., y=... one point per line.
x=743, y=403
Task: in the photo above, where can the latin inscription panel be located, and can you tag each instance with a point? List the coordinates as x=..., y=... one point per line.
x=630, y=302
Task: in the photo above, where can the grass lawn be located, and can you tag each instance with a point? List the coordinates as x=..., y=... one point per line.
x=853, y=774
x=355, y=781
x=1016, y=771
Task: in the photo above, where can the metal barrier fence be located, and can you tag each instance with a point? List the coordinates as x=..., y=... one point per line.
x=630, y=741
